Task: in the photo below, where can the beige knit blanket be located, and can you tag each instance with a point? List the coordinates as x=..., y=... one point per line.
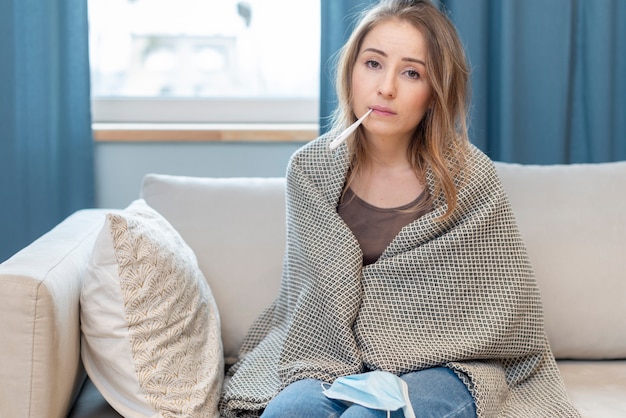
x=459, y=293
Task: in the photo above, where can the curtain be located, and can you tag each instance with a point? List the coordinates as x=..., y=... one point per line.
x=548, y=78
x=46, y=147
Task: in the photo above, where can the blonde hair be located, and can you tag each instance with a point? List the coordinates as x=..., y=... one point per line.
x=440, y=140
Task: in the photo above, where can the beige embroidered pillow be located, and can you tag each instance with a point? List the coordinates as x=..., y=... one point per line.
x=150, y=326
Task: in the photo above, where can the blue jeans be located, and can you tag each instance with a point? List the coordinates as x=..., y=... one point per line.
x=436, y=393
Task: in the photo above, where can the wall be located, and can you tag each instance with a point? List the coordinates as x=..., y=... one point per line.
x=120, y=166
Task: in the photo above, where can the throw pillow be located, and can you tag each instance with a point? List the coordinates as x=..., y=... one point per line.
x=150, y=326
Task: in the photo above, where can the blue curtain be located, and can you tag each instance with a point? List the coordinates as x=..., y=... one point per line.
x=46, y=146
x=548, y=78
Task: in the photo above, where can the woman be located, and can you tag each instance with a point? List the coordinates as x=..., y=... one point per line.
x=402, y=255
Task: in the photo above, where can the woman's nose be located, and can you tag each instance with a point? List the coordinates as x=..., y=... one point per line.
x=387, y=86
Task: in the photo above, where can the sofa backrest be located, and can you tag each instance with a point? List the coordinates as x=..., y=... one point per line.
x=236, y=227
x=573, y=219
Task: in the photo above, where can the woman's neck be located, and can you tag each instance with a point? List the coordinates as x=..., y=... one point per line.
x=385, y=153
x=387, y=179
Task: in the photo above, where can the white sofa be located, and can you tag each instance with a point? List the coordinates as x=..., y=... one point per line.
x=572, y=217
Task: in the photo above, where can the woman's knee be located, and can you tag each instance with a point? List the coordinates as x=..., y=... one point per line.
x=439, y=392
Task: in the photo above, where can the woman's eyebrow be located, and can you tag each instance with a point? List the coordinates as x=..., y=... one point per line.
x=409, y=59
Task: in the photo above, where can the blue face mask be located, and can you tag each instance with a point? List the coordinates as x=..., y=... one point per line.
x=375, y=390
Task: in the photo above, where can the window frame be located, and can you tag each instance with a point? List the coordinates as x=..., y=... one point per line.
x=191, y=110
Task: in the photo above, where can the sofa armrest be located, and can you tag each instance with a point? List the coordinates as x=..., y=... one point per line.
x=40, y=366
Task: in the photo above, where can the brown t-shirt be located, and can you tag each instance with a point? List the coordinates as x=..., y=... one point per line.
x=376, y=227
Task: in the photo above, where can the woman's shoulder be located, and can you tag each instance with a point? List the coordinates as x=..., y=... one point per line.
x=315, y=164
x=480, y=179
x=315, y=146
x=477, y=163
x=316, y=153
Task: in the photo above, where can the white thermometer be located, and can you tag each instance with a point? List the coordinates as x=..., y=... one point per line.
x=342, y=136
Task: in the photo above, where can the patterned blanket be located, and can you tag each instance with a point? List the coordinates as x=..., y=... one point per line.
x=459, y=293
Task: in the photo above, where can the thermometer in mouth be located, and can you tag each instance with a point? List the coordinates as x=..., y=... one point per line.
x=342, y=136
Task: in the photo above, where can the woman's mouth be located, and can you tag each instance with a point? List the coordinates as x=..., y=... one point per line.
x=382, y=111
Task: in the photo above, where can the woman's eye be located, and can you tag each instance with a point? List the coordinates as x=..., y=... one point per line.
x=372, y=64
x=413, y=74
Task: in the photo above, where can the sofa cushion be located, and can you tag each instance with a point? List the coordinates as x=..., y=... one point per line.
x=573, y=220
x=150, y=327
x=236, y=227
x=596, y=388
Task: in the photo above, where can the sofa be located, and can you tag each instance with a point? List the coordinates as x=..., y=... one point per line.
x=572, y=218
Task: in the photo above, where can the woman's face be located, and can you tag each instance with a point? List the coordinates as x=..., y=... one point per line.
x=390, y=77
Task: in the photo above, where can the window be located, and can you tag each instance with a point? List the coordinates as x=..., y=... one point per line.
x=204, y=60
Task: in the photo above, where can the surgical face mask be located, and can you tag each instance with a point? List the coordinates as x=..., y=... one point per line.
x=375, y=390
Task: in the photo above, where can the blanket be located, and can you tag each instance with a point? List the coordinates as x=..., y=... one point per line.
x=458, y=293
